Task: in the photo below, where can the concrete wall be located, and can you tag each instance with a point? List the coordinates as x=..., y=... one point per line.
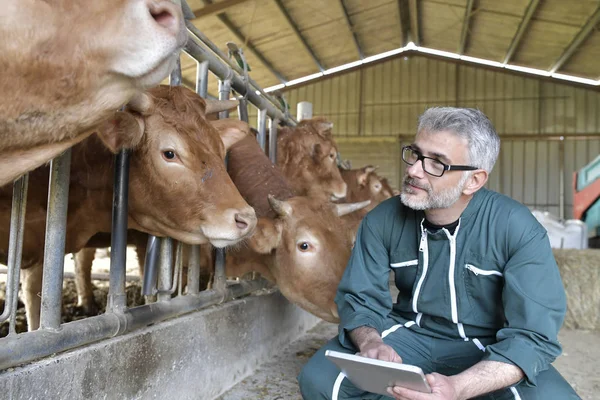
x=197, y=356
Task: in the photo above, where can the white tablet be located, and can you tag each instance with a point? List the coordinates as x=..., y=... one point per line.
x=376, y=376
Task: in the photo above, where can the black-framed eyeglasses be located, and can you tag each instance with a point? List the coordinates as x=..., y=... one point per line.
x=432, y=166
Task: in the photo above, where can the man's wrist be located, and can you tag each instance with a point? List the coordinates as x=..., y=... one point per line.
x=363, y=335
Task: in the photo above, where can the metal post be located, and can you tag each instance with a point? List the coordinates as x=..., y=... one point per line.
x=165, y=270
x=54, y=248
x=150, y=266
x=243, y=109
x=117, y=299
x=15, y=251
x=273, y=140
x=175, y=77
x=304, y=110
x=262, y=129
x=193, y=284
x=202, y=79
x=561, y=177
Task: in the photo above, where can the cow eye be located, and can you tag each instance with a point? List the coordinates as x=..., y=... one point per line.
x=377, y=186
x=304, y=246
x=169, y=154
x=332, y=156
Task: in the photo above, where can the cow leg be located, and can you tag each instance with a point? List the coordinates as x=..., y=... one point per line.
x=31, y=279
x=83, y=280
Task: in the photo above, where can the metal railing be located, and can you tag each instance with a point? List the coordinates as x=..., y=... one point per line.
x=54, y=337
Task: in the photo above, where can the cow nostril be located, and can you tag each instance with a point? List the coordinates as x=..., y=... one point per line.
x=240, y=222
x=163, y=16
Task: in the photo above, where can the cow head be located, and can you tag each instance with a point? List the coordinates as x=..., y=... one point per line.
x=365, y=184
x=309, y=249
x=178, y=182
x=307, y=155
x=69, y=63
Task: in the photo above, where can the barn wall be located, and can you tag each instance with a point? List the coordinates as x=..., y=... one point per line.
x=385, y=100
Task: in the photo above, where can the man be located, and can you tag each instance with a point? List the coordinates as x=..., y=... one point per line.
x=481, y=300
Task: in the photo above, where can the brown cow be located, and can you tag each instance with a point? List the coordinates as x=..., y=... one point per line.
x=178, y=183
x=307, y=156
x=298, y=243
x=67, y=65
x=365, y=184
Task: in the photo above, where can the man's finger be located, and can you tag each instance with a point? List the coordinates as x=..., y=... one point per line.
x=402, y=393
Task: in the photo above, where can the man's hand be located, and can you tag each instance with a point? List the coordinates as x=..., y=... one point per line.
x=371, y=345
x=442, y=388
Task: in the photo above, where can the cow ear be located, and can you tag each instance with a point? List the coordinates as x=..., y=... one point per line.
x=142, y=103
x=231, y=131
x=266, y=237
x=362, y=176
x=122, y=131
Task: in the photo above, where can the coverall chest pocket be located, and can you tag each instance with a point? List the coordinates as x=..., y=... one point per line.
x=484, y=282
x=405, y=273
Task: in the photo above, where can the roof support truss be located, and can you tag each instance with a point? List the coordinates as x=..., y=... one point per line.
x=414, y=22
x=404, y=20
x=352, y=31
x=577, y=40
x=521, y=30
x=298, y=34
x=465, y=28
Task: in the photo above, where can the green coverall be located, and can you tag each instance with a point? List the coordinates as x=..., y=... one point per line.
x=490, y=290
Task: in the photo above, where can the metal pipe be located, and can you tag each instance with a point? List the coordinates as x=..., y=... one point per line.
x=150, y=266
x=117, y=299
x=223, y=71
x=262, y=129
x=29, y=346
x=175, y=77
x=54, y=245
x=165, y=271
x=273, y=140
x=243, y=109
x=15, y=250
x=202, y=79
x=561, y=178
x=193, y=284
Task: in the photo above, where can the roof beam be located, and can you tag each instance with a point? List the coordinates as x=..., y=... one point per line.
x=465, y=28
x=247, y=44
x=521, y=30
x=404, y=20
x=414, y=22
x=212, y=9
x=352, y=31
x=299, y=35
x=579, y=38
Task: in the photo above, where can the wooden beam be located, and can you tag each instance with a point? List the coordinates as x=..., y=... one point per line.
x=414, y=22
x=465, y=28
x=404, y=20
x=298, y=34
x=521, y=30
x=352, y=31
x=218, y=8
x=246, y=44
x=577, y=40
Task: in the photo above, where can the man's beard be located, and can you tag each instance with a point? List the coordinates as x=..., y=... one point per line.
x=434, y=200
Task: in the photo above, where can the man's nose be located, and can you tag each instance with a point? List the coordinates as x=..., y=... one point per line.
x=416, y=170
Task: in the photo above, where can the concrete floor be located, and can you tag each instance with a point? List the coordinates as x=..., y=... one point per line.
x=276, y=380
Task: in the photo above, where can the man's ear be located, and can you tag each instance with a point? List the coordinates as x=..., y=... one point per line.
x=266, y=237
x=231, y=131
x=475, y=182
x=122, y=131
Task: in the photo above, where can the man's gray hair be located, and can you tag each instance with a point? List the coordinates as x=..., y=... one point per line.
x=468, y=123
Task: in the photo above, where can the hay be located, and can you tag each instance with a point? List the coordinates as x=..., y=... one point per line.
x=580, y=271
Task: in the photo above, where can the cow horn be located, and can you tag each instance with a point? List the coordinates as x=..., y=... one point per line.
x=347, y=208
x=370, y=168
x=215, y=106
x=281, y=208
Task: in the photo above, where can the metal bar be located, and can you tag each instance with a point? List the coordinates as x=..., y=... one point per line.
x=95, y=276
x=165, y=270
x=262, y=129
x=150, y=266
x=117, y=299
x=222, y=70
x=352, y=31
x=218, y=8
x=404, y=21
x=273, y=140
x=193, y=283
x=224, y=94
x=243, y=109
x=298, y=34
x=521, y=30
x=577, y=40
x=561, y=178
x=175, y=77
x=15, y=251
x=54, y=245
x=465, y=28
x=202, y=79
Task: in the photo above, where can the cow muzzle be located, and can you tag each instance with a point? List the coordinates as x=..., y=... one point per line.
x=230, y=227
